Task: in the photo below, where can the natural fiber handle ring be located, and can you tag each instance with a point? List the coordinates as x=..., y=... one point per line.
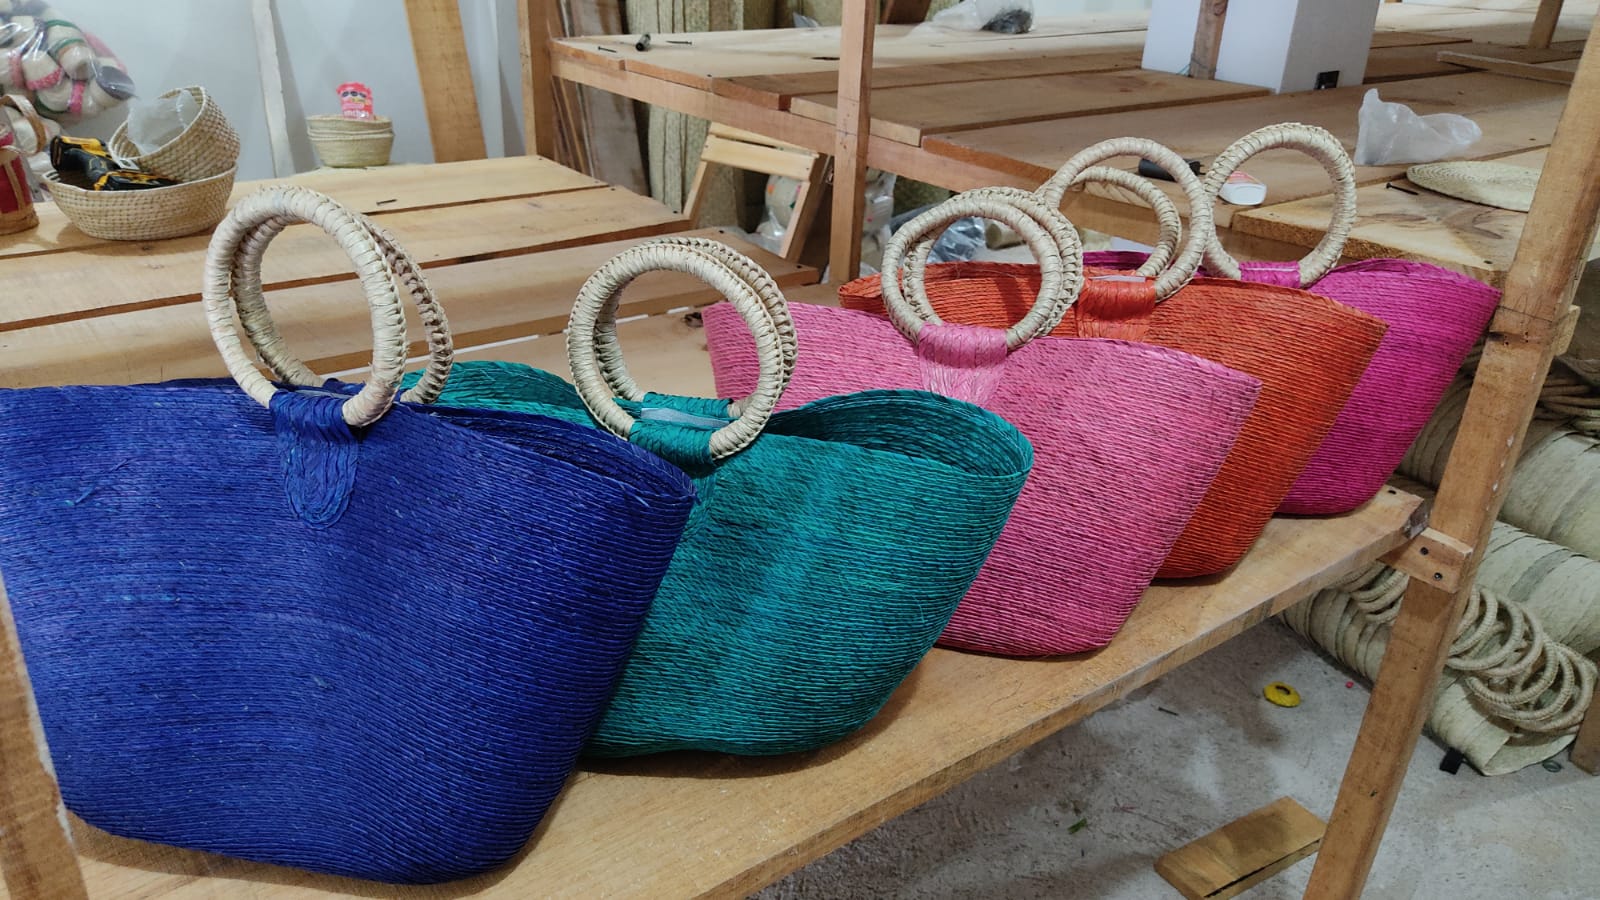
x=1047, y=233
x=1167, y=216
x=41, y=137
x=1200, y=225
x=378, y=282
x=591, y=333
x=758, y=278
x=1320, y=145
x=263, y=332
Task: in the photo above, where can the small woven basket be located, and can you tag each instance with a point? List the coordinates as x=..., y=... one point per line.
x=207, y=148
x=351, y=143
x=148, y=215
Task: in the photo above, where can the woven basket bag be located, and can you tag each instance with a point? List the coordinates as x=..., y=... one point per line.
x=1435, y=316
x=1307, y=351
x=309, y=625
x=1127, y=436
x=830, y=543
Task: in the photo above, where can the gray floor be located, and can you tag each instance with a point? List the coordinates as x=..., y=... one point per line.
x=1146, y=781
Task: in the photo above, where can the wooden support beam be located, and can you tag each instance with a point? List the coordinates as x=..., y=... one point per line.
x=852, y=126
x=1544, y=23
x=1208, y=39
x=440, y=48
x=905, y=12
x=1586, y=749
x=1538, y=290
x=1434, y=557
x=1243, y=853
x=35, y=851
x=1515, y=68
x=266, y=32
x=538, y=84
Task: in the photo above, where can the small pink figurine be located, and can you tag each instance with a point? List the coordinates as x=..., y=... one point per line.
x=355, y=100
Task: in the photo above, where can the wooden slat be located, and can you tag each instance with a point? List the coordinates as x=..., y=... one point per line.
x=1243, y=853
x=1515, y=115
x=391, y=189
x=776, y=91
x=440, y=49
x=60, y=287
x=1558, y=72
x=36, y=858
x=754, y=158
x=1208, y=39
x=329, y=327
x=609, y=120
x=694, y=825
x=908, y=114
x=538, y=90
x=851, y=127
x=1544, y=23
x=1517, y=353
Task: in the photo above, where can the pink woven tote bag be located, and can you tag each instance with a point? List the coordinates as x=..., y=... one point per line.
x=1127, y=437
x=1435, y=317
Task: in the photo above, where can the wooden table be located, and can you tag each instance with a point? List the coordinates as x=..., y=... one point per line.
x=506, y=244
x=974, y=110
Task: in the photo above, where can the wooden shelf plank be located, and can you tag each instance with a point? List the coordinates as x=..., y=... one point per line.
x=692, y=825
x=907, y=114
x=386, y=190
x=1515, y=115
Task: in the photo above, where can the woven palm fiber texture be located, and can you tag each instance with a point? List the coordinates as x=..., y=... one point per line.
x=393, y=685
x=828, y=547
x=309, y=626
x=1127, y=438
x=1307, y=351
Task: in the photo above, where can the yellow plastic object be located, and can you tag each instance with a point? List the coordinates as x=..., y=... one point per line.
x=1281, y=694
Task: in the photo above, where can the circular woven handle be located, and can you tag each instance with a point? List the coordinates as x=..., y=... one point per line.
x=283, y=205
x=263, y=332
x=1320, y=145
x=759, y=280
x=1201, y=229
x=1167, y=216
x=41, y=137
x=596, y=358
x=1053, y=240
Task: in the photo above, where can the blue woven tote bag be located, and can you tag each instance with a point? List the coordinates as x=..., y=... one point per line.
x=828, y=547
x=311, y=626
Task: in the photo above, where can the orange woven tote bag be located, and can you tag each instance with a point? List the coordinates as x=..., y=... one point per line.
x=1309, y=352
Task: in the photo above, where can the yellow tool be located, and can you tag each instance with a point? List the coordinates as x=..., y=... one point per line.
x=1281, y=694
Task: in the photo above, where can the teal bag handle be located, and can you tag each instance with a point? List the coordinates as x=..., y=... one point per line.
x=601, y=376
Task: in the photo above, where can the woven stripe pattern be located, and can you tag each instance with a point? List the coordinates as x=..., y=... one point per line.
x=307, y=625
x=1307, y=351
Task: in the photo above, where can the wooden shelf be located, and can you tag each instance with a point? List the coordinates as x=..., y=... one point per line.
x=693, y=825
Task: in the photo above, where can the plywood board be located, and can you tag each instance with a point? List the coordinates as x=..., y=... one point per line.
x=1243, y=853
x=907, y=114
x=1515, y=115
x=61, y=287
x=391, y=189
x=696, y=825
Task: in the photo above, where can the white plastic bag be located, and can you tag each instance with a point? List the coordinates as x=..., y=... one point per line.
x=1000, y=16
x=1393, y=134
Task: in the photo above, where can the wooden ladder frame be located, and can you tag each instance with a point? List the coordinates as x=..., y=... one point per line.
x=751, y=152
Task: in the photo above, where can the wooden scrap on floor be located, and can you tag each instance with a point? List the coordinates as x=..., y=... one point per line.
x=1244, y=852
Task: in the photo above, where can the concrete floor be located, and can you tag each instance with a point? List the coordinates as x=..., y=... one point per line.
x=1147, y=781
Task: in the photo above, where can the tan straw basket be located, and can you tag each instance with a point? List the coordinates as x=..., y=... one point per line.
x=351, y=143
x=148, y=215
x=1479, y=181
x=208, y=147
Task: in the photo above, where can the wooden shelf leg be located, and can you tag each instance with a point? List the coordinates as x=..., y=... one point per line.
x=1544, y=24
x=1516, y=356
x=1586, y=749
x=538, y=84
x=852, y=129
x=35, y=851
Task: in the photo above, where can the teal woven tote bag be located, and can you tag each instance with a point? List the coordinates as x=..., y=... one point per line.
x=828, y=546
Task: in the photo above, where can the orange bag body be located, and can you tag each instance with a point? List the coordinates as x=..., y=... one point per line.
x=1308, y=351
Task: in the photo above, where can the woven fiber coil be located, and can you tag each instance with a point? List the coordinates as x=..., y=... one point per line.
x=829, y=545
x=1127, y=436
x=1307, y=351
x=372, y=651
x=1434, y=317
x=207, y=147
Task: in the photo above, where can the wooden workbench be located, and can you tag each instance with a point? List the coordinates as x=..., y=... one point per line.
x=964, y=111
x=506, y=244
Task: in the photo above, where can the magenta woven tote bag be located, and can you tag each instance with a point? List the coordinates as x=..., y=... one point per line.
x=1127, y=437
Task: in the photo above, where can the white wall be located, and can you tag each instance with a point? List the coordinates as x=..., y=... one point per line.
x=320, y=45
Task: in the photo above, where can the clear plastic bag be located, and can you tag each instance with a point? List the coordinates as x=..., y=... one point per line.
x=779, y=208
x=68, y=74
x=999, y=16
x=153, y=125
x=1393, y=134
